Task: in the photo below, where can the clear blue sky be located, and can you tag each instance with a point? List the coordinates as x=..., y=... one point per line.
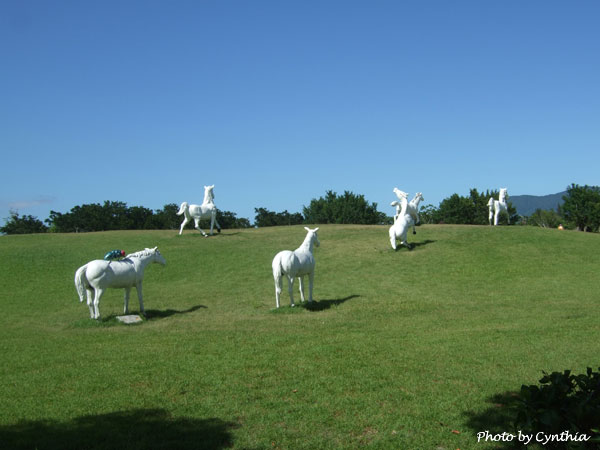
x=275, y=102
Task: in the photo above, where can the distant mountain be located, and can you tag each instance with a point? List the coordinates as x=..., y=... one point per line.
x=527, y=204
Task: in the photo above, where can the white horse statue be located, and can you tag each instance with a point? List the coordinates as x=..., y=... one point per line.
x=400, y=228
x=497, y=206
x=198, y=212
x=294, y=264
x=94, y=277
x=411, y=208
x=402, y=204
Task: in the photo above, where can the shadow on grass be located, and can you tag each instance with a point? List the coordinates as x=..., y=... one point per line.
x=498, y=418
x=322, y=305
x=152, y=314
x=197, y=234
x=421, y=244
x=136, y=429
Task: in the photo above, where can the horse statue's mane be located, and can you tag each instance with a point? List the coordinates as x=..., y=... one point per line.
x=139, y=254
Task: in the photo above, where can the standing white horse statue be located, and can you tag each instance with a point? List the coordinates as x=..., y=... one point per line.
x=198, y=212
x=98, y=275
x=497, y=206
x=400, y=228
x=294, y=264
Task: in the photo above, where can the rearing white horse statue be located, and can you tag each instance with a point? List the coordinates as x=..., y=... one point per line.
x=497, y=206
x=400, y=228
x=96, y=276
x=294, y=264
x=198, y=212
x=411, y=208
x=402, y=204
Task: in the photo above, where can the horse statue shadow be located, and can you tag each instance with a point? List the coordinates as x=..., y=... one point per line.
x=153, y=314
x=322, y=305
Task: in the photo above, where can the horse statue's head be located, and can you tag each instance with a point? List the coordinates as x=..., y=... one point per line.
x=157, y=257
x=502, y=195
x=400, y=194
x=312, y=235
x=209, y=195
x=418, y=197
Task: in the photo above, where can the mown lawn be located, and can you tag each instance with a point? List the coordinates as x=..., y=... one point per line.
x=402, y=350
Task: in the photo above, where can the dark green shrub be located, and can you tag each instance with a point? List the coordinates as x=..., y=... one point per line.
x=563, y=402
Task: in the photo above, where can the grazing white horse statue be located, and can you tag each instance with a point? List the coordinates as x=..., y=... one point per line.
x=400, y=228
x=96, y=276
x=411, y=208
x=294, y=264
x=497, y=206
x=198, y=212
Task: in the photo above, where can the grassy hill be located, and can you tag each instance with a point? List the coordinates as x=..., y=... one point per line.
x=408, y=349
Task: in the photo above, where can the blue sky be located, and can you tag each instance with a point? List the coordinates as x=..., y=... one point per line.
x=275, y=102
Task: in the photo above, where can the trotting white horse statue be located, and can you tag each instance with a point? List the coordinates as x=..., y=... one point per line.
x=96, y=276
x=411, y=208
x=294, y=264
x=497, y=206
x=198, y=212
x=400, y=228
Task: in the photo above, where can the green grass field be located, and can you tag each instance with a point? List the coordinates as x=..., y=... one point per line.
x=401, y=350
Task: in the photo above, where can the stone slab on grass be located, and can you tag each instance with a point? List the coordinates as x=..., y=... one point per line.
x=132, y=318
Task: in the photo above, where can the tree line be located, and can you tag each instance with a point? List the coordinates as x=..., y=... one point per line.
x=580, y=210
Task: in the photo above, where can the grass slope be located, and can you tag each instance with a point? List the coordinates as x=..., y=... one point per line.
x=409, y=349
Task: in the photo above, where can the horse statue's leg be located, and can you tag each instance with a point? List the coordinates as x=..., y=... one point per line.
x=291, y=289
x=507, y=216
x=496, y=215
x=126, y=302
x=138, y=288
x=278, y=288
x=97, y=297
x=311, y=281
x=301, y=286
x=213, y=217
x=183, y=224
x=197, y=222
x=392, y=237
x=90, y=301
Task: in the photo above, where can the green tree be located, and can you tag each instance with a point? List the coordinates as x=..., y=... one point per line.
x=229, y=220
x=456, y=209
x=16, y=224
x=347, y=208
x=427, y=214
x=545, y=218
x=167, y=218
x=472, y=210
x=266, y=218
x=581, y=207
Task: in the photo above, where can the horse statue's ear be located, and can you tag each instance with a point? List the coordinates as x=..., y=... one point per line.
x=307, y=229
x=316, y=229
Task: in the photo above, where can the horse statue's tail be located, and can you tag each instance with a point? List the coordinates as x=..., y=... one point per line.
x=277, y=269
x=182, y=208
x=80, y=282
